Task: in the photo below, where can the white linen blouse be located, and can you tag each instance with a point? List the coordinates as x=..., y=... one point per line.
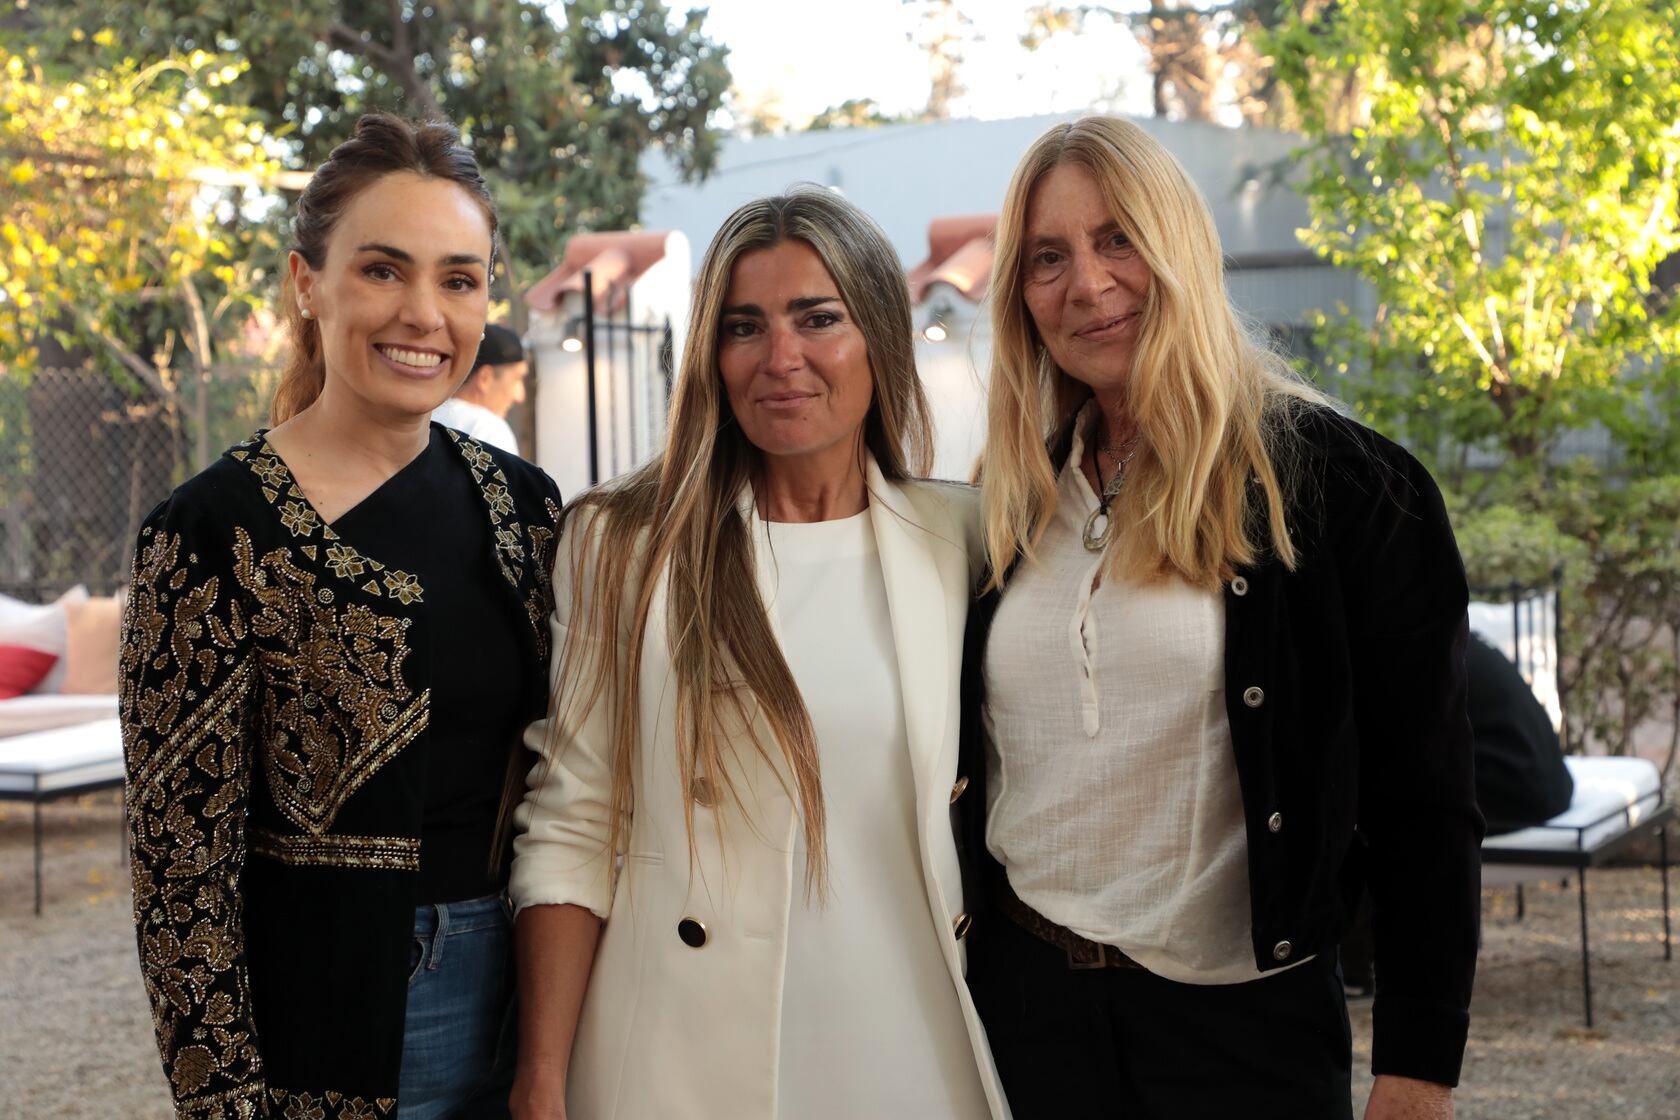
x=1112, y=793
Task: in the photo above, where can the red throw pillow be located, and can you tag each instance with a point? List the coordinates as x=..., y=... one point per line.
x=22, y=668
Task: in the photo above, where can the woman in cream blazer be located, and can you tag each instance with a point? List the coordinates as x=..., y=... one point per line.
x=737, y=882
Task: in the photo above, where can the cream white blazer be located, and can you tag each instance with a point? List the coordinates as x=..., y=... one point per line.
x=670, y=1030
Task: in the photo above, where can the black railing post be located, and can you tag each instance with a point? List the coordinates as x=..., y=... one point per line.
x=589, y=373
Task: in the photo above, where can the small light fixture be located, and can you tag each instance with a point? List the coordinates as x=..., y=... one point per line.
x=936, y=330
x=571, y=345
x=573, y=341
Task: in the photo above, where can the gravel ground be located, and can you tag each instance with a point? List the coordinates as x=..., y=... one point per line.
x=76, y=1039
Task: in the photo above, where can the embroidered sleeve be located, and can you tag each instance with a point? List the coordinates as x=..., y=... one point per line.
x=188, y=674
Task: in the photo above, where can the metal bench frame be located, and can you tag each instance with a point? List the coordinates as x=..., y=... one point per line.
x=1581, y=857
x=38, y=796
x=1534, y=610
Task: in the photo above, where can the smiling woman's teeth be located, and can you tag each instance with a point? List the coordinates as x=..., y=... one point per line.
x=414, y=358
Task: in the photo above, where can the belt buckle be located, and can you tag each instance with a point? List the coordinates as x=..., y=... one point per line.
x=1090, y=955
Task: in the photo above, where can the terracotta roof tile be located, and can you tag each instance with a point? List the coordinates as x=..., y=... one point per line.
x=959, y=254
x=615, y=259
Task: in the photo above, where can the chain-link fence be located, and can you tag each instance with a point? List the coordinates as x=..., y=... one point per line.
x=84, y=458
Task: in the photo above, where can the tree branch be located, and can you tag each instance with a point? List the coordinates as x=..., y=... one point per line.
x=138, y=366
x=395, y=65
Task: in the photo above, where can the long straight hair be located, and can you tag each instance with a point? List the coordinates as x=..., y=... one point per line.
x=1214, y=405
x=676, y=519
x=382, y=143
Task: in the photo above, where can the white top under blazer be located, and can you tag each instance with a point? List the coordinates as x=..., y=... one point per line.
x=871, y=1025
x=671, y=1029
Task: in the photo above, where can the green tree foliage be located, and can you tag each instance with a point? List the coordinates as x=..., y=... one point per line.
x=125, y=230
x=858, y=112
x=1505, y=182
x=558, y=100
x=1506, y=192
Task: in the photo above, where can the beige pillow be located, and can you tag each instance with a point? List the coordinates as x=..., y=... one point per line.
x=91, y=662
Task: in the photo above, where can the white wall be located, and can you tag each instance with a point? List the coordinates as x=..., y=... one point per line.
x=954, y=378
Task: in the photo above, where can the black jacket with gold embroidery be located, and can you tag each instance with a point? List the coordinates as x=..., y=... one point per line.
x=274, y=697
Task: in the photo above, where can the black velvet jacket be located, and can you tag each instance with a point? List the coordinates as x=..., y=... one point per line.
x=1345, y=691
x=274, y=699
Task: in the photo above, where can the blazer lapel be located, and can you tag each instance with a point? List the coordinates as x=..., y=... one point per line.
x=917, y=606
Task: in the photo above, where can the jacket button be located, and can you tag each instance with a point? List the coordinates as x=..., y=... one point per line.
x=1275, y=822
x=692, y=932
x=1254, y=696
x=1239, y=586
x=960, y=926
x=957, y=790
x=1281, y=951
x=703, y=793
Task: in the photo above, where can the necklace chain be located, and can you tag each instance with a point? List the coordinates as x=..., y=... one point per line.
x=1099, y=525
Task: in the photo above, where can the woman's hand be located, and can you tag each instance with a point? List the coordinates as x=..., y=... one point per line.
x=537, y=1096
x=1406, y=1098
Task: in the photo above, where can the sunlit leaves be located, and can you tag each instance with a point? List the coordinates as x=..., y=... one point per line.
x=1506, y=189
x=108, y=215
x=559, y=99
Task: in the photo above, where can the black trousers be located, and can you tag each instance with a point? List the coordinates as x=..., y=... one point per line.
x=1125, y=1043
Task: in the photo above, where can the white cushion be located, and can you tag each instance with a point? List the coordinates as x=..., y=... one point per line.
x=42, y=626
x=1629, y=788
x=43, y=712
x=63, y=758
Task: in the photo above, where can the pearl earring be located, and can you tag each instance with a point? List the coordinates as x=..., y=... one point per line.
x=306, y=313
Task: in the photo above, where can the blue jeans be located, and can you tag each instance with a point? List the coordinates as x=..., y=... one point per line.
x=458, y=1037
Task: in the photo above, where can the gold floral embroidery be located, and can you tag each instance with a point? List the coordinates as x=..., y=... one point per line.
x=270, y=469
x=329, y=1105
x=476, y=456
x=299, y=519
x=186, y=691
x=496, y=496
x=344, y=561
x=404, y=588
x=336, y=705
x=303, y=1107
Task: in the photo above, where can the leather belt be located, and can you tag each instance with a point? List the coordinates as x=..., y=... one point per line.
x=1082, y=953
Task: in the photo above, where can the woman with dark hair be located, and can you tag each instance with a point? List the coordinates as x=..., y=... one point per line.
x=334, y=639
x=738, y=885
x=1214, y=686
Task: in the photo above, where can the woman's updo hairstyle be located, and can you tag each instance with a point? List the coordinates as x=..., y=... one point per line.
x=382, y=143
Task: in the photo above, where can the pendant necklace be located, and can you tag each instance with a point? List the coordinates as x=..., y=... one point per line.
x=1099, y=525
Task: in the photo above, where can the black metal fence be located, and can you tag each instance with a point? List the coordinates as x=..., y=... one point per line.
x=632, y=366
x=84, y=458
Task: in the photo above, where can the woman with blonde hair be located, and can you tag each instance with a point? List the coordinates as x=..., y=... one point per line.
x=738, y=885
x=1214, y=685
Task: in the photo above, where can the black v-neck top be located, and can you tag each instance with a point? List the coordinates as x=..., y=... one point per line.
x=429, y=519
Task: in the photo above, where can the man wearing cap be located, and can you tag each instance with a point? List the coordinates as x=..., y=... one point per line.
x=496, y=384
